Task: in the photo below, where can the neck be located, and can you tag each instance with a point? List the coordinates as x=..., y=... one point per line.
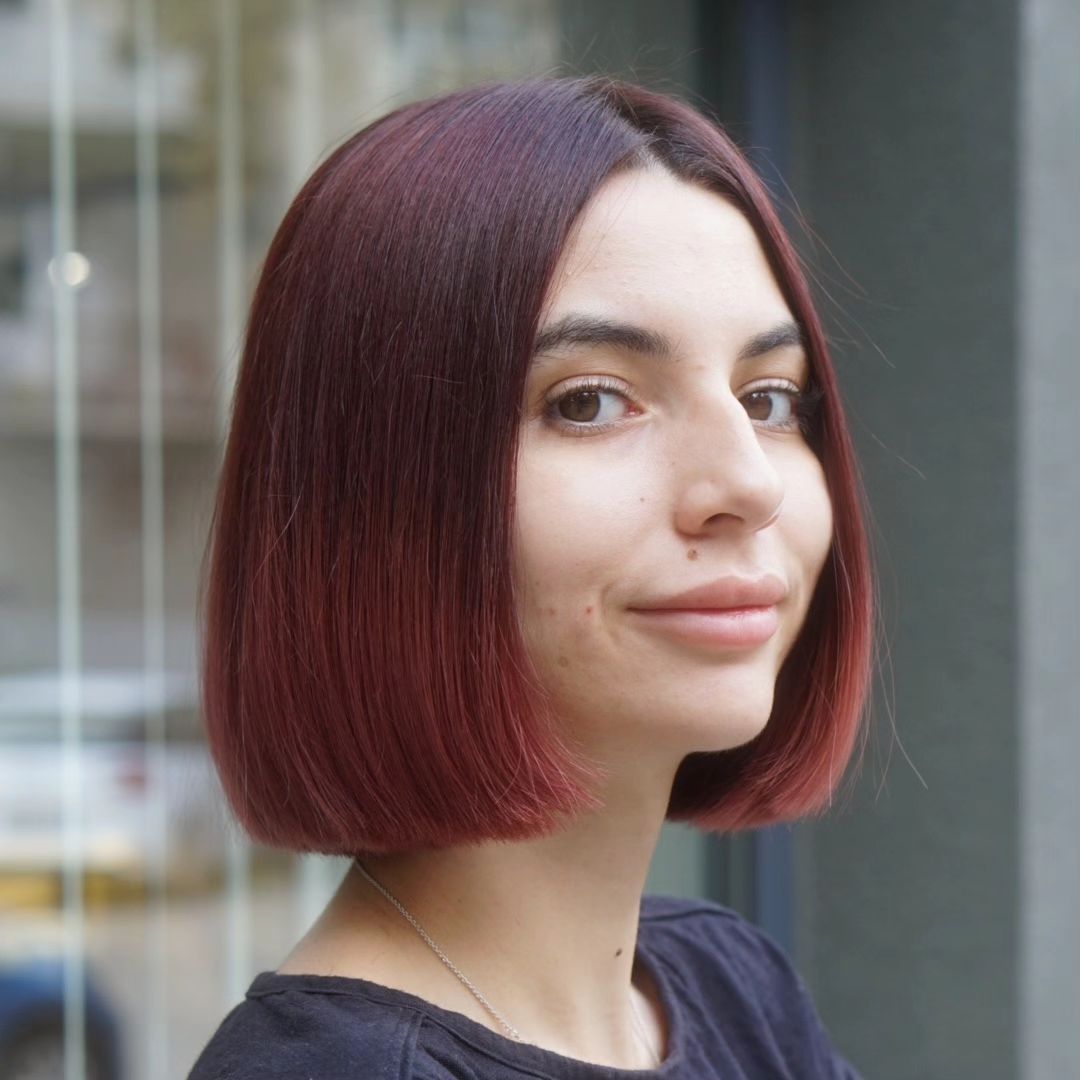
x=545, y=929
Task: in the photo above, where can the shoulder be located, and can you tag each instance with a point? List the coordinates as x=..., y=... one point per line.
x=715, y=954
x=296, y=1032
x=707, y=923
x=720, y=943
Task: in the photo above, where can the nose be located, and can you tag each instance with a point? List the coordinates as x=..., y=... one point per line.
x=723, y=476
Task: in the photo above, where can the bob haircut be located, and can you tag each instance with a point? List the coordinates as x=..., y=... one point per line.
x=365, y=685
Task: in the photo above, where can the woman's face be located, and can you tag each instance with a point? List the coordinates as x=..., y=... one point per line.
x=665, y=476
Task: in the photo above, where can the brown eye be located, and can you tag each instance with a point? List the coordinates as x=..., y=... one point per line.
x=589, y=408
x=581, y=406
x=760, y=404
x=796, y=414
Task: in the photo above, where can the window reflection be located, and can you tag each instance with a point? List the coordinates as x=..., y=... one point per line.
x=115, y=846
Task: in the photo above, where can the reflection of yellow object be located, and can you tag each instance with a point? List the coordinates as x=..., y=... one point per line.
x=37, y=891
x=101, y=890
x=29, y=890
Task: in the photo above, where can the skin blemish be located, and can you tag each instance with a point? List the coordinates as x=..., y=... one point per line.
x=618, y=952
x=551, y=611
x=564, y=661
x=588, y=611
x=692, y=553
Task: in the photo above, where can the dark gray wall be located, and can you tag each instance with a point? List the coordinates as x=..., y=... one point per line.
x=648, y=42
x=905, y=161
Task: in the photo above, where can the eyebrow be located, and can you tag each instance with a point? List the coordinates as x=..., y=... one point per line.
x=588, y=330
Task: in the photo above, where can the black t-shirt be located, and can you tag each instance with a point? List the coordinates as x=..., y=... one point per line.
x=736, y=1010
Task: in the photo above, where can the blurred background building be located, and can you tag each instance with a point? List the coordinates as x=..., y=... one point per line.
x=926, y=157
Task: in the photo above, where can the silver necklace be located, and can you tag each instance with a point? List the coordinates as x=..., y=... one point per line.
x=513, y=1033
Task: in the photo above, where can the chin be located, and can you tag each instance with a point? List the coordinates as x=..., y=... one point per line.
x=720, y=735
x=705, y=730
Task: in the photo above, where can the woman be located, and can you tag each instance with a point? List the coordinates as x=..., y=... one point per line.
x=538, y=525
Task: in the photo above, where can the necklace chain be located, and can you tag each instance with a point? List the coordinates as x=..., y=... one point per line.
x=512, y=1031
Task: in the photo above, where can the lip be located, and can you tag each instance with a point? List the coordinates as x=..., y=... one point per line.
x=733, y=628
x=729, y=593
x=731, y=612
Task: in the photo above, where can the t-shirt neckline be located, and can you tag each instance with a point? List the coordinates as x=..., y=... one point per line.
x=523, y=1056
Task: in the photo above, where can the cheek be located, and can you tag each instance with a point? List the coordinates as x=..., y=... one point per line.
x=808, y=521
x=574, y=527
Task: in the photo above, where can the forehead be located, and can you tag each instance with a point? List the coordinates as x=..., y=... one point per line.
x=650, y=245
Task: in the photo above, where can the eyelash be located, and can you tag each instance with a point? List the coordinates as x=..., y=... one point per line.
x=805, y=405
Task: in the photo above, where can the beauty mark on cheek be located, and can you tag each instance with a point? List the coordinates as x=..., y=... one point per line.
x=692, y=554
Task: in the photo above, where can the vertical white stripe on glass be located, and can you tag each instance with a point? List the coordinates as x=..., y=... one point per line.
x=155, y=1030
x=62, y=136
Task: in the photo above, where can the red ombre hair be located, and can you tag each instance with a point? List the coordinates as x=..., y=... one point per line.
x=365, y=685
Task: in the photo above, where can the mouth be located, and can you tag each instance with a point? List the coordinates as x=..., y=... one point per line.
x=724, y=628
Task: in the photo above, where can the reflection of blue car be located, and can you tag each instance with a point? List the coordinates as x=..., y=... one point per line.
x=32, y=1024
